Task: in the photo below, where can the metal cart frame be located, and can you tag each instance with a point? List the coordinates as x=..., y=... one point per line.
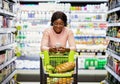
x=44, y=60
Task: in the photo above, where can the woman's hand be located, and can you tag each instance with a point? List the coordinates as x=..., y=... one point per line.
x=61, y=49
x=53, y=50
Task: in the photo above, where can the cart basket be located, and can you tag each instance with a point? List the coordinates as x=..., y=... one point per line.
x=48, y=77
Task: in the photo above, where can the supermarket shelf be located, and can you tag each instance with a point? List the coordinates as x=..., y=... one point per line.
x=9, y=77
x=114, y=10
x=110, y=52
x=91, y=47
x=35, y=57
x=113, y=24
x=80, y=72
x=92, y=21
x=7, y=63
x=7, y=30
x=28, y=72
x=92, y=53
x=83, y=1
x=4, y=12
x=32, y=30
x=88, y=12
x=35, y=0
x=88, y=36
x=99, y=57
x=113, y=73
x=92, y=72
x=104, y=82
x=113, y=39
x=13, y=1
x=7, y=46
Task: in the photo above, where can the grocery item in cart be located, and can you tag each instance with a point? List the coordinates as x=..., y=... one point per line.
x=64, y=67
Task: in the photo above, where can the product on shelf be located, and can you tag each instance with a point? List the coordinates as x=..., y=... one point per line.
x=93, y=63
x=7, y=41
x=118, y=33
x=113, y=59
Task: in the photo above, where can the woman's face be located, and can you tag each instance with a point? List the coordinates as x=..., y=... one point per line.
x=58, y=26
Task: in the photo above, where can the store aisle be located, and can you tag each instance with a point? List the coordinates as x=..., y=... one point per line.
x=78, y=83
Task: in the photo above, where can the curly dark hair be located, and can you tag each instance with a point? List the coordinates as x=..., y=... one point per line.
x=59, y=15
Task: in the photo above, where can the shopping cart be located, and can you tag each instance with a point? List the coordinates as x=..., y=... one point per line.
x=47, y=77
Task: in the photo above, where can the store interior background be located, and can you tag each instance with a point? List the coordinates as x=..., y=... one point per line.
x=95, y=24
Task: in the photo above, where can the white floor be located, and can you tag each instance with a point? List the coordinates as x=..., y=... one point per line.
x=78, y=83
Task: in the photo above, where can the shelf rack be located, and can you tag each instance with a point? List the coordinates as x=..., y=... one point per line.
x=9, y=77
x=113, y=73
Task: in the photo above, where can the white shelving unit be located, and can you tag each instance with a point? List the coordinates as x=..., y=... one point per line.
x=114, y=24
x=35, y=0
x=28, y=72
x=85, y=25
x=7, y=63
x=113, y=73
x=82, y=0
x=91, y=33
x=114, y=10
x=4, y=12
x=112, y=53
x=7, y=30
x=7, y=46
x=92, y=72
x=7, y=43
x=113, y=39
x=9, y=77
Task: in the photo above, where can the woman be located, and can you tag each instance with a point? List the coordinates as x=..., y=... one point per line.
x=56, y=37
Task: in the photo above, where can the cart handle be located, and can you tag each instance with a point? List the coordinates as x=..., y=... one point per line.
x=71, y=56
x=46, y=56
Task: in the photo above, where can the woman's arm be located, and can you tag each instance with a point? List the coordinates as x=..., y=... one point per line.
x=44, y=41
x=71, y=41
